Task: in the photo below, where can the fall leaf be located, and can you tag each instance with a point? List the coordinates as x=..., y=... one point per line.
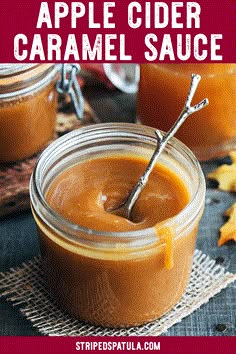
x=228, y=230
x=226, y=175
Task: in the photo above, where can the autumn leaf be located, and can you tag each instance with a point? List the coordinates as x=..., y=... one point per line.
x=228, y=230
x=226, y=175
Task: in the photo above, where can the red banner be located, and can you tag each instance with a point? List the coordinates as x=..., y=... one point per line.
x=118, y=31
x=164, y=345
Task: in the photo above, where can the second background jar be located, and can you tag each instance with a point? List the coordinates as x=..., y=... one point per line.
x=211, y=133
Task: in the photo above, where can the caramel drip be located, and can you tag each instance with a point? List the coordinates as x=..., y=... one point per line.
x=167, y=235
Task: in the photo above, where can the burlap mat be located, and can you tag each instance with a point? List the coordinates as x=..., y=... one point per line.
x=14, y=178
x=25, y=287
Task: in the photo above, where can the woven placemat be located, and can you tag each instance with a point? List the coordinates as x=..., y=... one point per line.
x=14, y=178
x=25, y=287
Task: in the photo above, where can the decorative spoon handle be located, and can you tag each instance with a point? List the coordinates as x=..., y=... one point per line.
x=126, y=208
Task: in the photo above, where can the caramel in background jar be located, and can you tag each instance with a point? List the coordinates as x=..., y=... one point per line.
x=211, y=133
x=28, y=104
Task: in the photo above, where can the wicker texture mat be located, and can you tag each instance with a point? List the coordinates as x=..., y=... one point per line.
x=14, y=178
x=25, y=287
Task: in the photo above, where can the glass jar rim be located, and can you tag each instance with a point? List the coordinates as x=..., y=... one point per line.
x=194, y=205
x=14, y=69
x=169, y=68
x=28, y=78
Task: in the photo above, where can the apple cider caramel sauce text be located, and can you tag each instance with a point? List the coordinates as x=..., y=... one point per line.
x=152, y=18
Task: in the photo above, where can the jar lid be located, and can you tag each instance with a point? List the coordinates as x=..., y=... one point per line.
x=13, y=69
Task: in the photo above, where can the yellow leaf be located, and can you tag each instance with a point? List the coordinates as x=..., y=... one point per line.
x=228, y=230
x=226, y=175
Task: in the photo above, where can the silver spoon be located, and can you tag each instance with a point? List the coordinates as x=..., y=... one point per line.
x=125, y=209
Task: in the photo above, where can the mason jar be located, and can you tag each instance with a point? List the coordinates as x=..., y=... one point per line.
x=211, y=133
x=28, y=106
x=116, y=279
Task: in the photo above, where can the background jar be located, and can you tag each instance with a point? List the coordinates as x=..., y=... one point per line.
x=211, y=133
x=106, y=278
x=28, y=105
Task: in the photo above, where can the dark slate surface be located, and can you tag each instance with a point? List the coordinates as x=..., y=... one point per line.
x=18, y=243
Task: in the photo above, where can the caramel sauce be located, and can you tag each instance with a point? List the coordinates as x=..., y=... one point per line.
x=85, y=192
x=27, y=124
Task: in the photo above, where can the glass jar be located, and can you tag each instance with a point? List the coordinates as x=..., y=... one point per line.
x=115, y=279
x=211, y=132
x=28, y=105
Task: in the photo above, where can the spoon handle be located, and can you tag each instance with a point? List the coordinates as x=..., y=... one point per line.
x=163, y=140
